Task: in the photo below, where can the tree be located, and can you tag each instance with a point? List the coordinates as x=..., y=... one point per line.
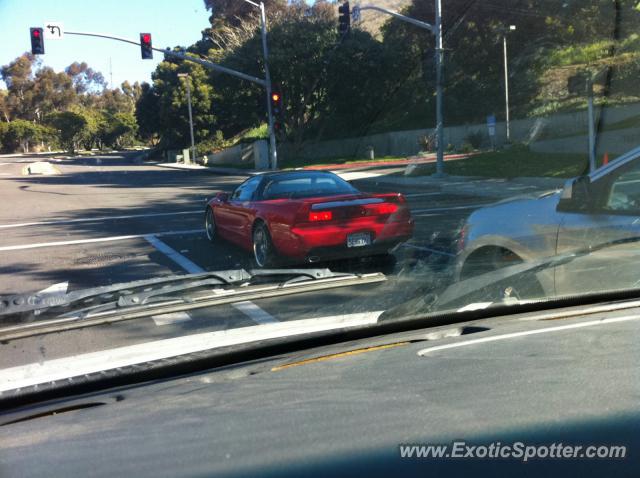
x=19, y=80
x=51, y=92
x=22, y=133
x=68, y=126
x=114, y=101
x=168, y=116
x=118, y=130
x=85, y=79
x=146, y=113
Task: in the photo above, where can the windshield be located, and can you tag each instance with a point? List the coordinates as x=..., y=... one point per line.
x=308, y=185
x=408, y=158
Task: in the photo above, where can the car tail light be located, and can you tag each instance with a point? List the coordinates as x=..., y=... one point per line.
x=315, y=216
x=381, y=209
x=387, y=208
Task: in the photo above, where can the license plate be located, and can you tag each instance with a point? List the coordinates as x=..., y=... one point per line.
x=360, y=239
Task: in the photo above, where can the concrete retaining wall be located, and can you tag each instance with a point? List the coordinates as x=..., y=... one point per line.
x=405, y=143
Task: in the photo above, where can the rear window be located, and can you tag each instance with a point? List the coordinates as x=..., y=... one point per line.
x=306, y=186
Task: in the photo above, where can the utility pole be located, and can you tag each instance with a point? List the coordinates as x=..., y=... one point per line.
x=193, y=146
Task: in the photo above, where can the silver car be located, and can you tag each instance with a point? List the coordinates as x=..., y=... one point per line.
x=599, y=212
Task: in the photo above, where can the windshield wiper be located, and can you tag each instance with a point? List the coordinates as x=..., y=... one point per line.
x=159, y=296
x=10, y=305
x=141, y=292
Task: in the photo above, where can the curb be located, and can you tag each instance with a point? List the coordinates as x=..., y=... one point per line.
x=44, y=168
x=474, y=186
x=214, y=170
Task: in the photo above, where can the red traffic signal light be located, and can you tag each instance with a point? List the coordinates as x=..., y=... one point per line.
x=146, y=50
x=275, y=97
x=37, y=41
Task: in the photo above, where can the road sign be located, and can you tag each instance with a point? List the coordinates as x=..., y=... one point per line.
x=53, y=31
x=491, y=125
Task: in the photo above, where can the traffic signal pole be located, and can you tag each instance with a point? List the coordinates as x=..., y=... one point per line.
x=182, y=56
x=437, y=32
x=273, y=153
x=266, y=83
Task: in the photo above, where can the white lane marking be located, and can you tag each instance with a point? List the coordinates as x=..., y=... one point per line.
x=78, y=365
x=419, y=195
x=258, y=315
x=452, y=208
x=174, y=255
x=546, y=330
x=96, y=219
x=248, y=308
x=99, y=239
x=434, y=214
x=55, y=289
x=172, y=318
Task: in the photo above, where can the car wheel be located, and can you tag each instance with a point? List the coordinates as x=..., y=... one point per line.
x=492, y=259
x=263, y=251
x=210, y=225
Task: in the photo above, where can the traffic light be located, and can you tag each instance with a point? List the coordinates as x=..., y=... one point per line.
x=145, y=46
x=344, y=19
x=37, y=41
x=276, y=109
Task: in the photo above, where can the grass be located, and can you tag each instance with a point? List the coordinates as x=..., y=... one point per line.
x=511, y=164
x=592, y=52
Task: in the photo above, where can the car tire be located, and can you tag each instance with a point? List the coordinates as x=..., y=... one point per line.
x=264, y=254
x=495, y=259
x=210, y=225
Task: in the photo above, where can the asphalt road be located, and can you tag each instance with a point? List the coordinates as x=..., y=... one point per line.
x=110, y=219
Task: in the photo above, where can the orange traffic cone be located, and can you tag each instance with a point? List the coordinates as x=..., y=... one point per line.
x=605, y=160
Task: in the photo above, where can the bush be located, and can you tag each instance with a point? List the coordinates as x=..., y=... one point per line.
x=475, y=139
x=466, y=148
x=427, y=142
x=519, y=148
x=210, y=145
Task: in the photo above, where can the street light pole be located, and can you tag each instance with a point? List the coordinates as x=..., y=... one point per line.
x=506, y=83
x=439, y=92
x=193, y=146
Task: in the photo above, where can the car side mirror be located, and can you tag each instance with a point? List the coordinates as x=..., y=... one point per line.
x=222, y=197
x=577, y=195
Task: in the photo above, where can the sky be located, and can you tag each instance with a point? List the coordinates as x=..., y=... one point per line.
x=170, y=22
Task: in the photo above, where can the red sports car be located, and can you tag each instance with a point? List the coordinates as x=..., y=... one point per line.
x=307, y=216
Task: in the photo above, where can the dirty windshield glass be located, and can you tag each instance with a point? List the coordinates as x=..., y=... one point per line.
x=175, y=168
